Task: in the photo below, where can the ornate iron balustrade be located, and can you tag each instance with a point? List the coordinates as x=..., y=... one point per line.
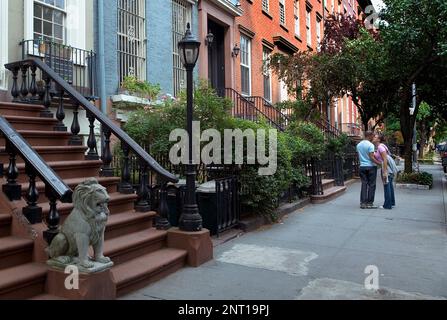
x=244, y=108
x=35, y=167
x=28, y=91
x=272, y=113
x=76, y=66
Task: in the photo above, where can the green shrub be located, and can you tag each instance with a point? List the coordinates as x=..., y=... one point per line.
x=421, y=178
x=141, y=88
x=338, y=145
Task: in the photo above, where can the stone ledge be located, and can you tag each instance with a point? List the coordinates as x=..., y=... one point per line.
x=412, y=186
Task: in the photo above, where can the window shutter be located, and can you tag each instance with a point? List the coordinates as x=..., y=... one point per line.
x=76, y=23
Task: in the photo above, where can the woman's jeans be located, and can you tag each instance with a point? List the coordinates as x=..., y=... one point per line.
x=388, y=189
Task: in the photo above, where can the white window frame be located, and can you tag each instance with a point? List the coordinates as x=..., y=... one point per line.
x=296, y=12
x=318, y=32
x=75, y=22
x=247, y=65
x=309, y=27
x=266, y=52
x=3, y=43
x=333, y=6
x=266, y=5
x=53, y=7
x=282, y=12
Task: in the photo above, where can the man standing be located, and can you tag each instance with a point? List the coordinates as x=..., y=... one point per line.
x=368, y=170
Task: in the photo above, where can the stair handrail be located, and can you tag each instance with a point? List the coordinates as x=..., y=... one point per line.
x=31, y=157
x=102, y=118
x=285, y=118
x=245, y=99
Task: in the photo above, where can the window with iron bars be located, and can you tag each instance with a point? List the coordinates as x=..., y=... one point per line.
x=265, y=5
x=282, y=12
x=181, y=15
x=132, y=39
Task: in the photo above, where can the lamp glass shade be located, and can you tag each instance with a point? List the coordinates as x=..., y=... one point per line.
x=188, y=49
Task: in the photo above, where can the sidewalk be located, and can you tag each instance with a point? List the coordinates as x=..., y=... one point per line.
x=321, y=252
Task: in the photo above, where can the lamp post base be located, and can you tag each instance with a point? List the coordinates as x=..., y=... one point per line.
x=190, y=220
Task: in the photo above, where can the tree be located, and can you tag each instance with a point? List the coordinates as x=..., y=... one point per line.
x=414, y=36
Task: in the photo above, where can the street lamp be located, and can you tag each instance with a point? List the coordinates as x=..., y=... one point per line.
x=190, y=219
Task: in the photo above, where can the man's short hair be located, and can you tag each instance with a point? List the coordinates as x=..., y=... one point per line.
x=369, y=134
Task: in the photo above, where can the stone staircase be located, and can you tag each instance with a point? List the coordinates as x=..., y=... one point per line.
x=139, y=251
x=330, y=191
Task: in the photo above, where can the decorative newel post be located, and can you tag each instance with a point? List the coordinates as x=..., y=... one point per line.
x=24, y=89
x=12, y=189
x=92, y=153
x=106, y=157
x=162, y=221
x=32, y=211
x=125, y=187
x=143, y=204
x=15, y=86
x=47, y=99
x=52, y=220
x=60, y=113
x=33, y=90
x=75, y=139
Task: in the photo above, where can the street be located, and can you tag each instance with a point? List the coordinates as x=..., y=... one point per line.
x=322, y=251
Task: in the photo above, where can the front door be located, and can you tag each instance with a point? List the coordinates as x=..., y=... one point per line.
x=216, y=58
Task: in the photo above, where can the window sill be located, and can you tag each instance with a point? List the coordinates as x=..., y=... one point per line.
x=310, y=48
x=267, y=14
x=284, y=27
x=297, y=37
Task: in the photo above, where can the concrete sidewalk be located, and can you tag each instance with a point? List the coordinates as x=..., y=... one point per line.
x=321, y=252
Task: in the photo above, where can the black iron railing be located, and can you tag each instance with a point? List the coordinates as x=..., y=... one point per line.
x=244, y=108
x=35, y=167
x=273, y=114
x=76, y=66
x=27, y=91
x=313, y=171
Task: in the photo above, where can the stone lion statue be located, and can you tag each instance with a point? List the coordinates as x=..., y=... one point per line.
x=84, y=226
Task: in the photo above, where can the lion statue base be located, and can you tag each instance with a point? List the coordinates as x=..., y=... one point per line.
x=84, y=227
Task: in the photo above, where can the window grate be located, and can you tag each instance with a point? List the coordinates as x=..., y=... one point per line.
x=181, y=15
x=265, y=5
x=132, y=39
x=282, y=13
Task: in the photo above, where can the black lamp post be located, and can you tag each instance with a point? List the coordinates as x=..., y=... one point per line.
x=190, y=219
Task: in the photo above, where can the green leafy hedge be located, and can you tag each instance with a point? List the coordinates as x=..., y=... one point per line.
x=422, y=178
x=152, y=126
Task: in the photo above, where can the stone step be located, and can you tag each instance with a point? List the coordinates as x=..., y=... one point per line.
x=328, y=195
x=110, y=183
x=327, y=183
x=18, y=109
x=137, y=273
x=43, y=138
x=67, y=169
x=118, y=203
x=15, y=251
x=51, y=153
x=133, y=245
x=124, y=223
x=5, y=224
x=31, y=123
x=23, y=282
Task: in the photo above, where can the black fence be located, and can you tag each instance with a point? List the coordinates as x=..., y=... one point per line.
x=76, y=66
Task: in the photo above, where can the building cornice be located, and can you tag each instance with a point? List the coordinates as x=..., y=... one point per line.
x=228, y=7
x=285, y=44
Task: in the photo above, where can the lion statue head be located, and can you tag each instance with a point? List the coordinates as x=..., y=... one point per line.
x=92, y=199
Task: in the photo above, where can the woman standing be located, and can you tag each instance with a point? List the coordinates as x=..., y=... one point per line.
x=383, y=155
